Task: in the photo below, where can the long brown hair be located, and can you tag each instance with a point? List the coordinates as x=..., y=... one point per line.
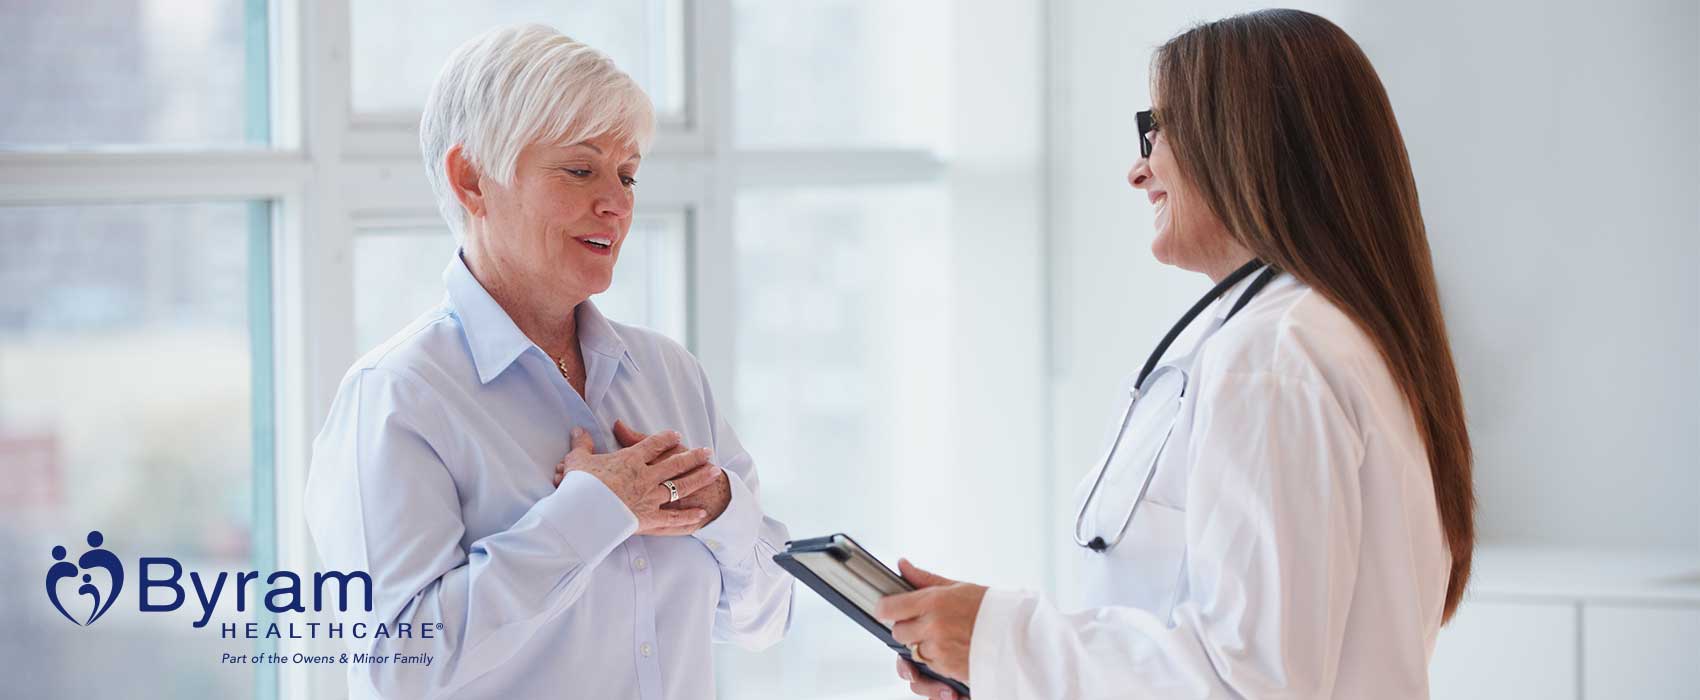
x=1279, y=122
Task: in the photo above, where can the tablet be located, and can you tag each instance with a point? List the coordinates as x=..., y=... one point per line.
x=853, y=581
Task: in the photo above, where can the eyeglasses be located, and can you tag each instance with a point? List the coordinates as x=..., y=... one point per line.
x=1147, y=125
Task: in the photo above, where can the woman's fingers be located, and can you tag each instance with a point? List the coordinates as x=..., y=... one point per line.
x=696, y=479
x=583, y=448
x=626, y=435
x=919, y=684
x=582, y=442
x=909, y=631
x=654, y=446
x=677, y=465
x=929, y=688
x=667, y=520
x=688, y=483
x=679, y=531
x=654, y=519
x=922, y=578
x=902, y=606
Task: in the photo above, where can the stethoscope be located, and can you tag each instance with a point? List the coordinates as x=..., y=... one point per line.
x=1141, y=389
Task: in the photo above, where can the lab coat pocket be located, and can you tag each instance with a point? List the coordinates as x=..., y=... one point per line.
x=1153, y=555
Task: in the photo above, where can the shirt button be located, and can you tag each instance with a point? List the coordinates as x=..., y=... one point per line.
x=640, y=564
x=714, y=545
x=646, y=649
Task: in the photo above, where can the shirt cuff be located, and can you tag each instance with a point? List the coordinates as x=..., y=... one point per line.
x=588, y=516
x=732, y=536
x=989, y=645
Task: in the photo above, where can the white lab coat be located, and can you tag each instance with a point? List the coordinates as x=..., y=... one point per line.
x=1289, y=545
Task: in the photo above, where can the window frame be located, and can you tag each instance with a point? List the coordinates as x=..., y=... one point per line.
x=328, y=172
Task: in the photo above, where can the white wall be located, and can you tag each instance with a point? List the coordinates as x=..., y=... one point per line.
x=1555, y=151
x=1560, y=210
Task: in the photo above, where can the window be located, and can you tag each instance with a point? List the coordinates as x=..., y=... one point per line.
x=129, y=335
x=398, y=274
x=207, y=221
x=837, y=366
x=168, y=73
x=139, y=202
x=887, y=304
x=399, y=45
x=842, y=73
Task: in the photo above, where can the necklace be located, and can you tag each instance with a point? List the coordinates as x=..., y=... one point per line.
x=561, y=364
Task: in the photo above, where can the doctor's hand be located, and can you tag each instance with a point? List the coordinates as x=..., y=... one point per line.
x=713, y=498
x=634, y=473
x=939, y=620
x=922, y=685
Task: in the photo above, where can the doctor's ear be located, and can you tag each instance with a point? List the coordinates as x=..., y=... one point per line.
x=465, y=180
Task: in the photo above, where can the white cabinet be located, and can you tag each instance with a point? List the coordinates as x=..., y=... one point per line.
x=1506, y=650
x=1546, y=623
x=1640, y=651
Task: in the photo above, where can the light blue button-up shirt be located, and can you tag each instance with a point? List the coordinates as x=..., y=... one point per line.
x=434, y=474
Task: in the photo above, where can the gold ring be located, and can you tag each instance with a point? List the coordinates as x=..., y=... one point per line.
x=915, y=654
x=672, y=490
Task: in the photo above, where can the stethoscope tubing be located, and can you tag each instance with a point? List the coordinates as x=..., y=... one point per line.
x=1098, y=543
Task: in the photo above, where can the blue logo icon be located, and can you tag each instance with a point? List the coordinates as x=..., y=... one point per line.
x=95, y=558
x=288, y=594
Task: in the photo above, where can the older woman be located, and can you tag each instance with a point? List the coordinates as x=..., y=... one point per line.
x=1287, y=511
x=473, y=464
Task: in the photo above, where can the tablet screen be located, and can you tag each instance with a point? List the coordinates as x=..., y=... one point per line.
x=857, y=590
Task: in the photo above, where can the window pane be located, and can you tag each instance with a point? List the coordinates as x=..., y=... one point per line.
x=867, y=73
x=125, y=407
x=400, y=45
x=398, y=274
x=843, y=388
x=133, y=72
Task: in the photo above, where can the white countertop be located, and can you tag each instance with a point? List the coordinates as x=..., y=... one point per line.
x=1583, y=574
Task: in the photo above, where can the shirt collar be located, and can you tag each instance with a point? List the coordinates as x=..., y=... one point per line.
x=496, y=342
x=596, y=334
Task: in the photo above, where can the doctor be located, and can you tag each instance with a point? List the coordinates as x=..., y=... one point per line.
x=1285, y=509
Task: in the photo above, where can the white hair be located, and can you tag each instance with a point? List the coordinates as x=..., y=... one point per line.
x=518, y=85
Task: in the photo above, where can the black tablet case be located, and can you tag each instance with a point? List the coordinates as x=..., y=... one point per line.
x=802, y=573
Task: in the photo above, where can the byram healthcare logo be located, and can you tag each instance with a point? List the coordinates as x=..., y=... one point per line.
x=95, y=558
x=98, y=576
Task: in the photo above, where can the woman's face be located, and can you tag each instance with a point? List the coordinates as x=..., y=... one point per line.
x=560, y=224
x=1189, y=235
